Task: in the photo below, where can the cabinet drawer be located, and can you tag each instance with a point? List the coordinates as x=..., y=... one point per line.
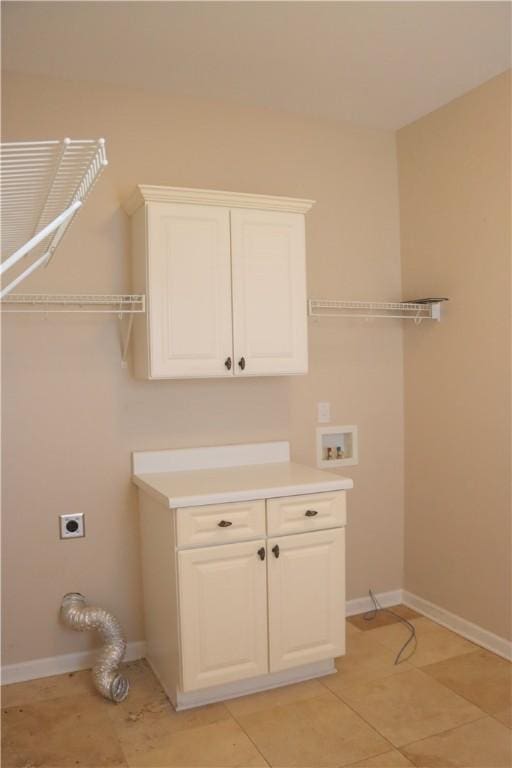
x=296, y=514
x=220, y=523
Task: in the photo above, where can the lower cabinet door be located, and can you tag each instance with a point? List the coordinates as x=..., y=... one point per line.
x=306, y=574
x=223, y=613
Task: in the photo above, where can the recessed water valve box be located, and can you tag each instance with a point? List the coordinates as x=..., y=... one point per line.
x=336, y=446
x=72, y=526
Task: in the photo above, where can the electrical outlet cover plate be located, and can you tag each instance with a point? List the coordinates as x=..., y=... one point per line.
x=324, y=412
x=72, y=526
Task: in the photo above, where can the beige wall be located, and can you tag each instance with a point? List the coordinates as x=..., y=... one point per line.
x=454, y=169
x=72, y=415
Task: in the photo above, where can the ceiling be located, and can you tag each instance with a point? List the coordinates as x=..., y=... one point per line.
x=381, y=64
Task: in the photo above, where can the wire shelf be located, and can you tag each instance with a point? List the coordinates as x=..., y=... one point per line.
x=421, y=309
x=42, y=185
x=118, y=304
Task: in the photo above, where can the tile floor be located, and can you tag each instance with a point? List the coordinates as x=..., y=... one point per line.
x=448, y=705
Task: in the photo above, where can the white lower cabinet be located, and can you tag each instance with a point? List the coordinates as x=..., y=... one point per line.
x=268, y=610
x=223, y=613
x=306, y=598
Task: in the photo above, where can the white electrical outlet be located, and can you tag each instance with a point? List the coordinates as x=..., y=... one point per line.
x=324, y=412
x=72, y=526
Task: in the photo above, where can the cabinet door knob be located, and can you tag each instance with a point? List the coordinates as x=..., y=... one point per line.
x=224, y=523
x=227, y=363
x=241, y=363
x=311, y=512
x=275, y=550
x=261, y=553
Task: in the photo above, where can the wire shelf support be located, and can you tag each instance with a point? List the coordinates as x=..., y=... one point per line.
x=417, y=310
x=125, y=306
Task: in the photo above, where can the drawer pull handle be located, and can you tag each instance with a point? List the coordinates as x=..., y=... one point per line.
x=311, y=512
x=261, y=553
x=275, y=550
x=224, y=523
x=227, y=363
x=241, y=363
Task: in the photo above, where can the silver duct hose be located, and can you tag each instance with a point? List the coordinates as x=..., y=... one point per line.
x=77, y=615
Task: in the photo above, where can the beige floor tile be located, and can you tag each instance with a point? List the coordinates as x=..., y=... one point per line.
x=320, y=731
x=409, y=706
x=45, y=688
x=481, y=677
x=149, y=728
x=351, y=630
x=245, y=705
x=382, y=618
x=146, y=696
x=366, y=659
x=68, y=731
x=482, y=744
x=393, y=759
x=504, y=716
x=434, y=642
x=218, y=745
x=58, y=721
x=146, y=719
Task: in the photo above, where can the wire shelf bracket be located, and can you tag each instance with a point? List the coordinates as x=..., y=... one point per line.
x=125, y=306
x=417, y=310
x=43, y=184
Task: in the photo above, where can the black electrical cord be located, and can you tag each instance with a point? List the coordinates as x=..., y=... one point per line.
x=370, y=615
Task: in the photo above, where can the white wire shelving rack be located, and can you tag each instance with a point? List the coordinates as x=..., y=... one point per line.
x=418, y=310
x=43, y=185
x=117, y=304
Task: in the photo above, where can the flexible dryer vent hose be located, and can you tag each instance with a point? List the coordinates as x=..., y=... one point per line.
x=77, y=615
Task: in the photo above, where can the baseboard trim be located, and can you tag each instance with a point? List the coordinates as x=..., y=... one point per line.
x=364, y=604
x=72, y=662
x=58, y=665
x=498, y=645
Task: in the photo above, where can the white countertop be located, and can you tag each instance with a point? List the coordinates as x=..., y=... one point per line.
x=218, y=485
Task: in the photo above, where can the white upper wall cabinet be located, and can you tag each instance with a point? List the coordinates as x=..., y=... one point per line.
x=225, y=279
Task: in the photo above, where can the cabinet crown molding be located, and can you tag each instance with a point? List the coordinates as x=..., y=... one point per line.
x=147, y=193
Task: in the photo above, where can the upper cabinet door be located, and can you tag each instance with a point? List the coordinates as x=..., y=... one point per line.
x=269, y=292
x=189, y=291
